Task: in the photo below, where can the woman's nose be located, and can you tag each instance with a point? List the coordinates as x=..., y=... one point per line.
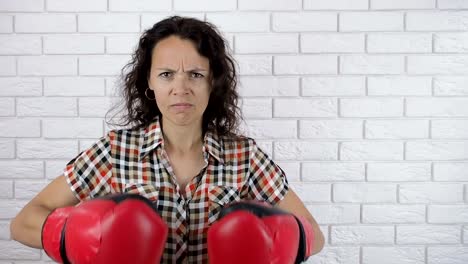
x=181, y=84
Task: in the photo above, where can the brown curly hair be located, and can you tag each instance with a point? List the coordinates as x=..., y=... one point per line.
x=222, y=114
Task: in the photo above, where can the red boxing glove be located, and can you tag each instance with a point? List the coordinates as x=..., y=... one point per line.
x=118, y=229
x=251, y=233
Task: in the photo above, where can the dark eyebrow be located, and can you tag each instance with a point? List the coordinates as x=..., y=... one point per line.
x=191, y=70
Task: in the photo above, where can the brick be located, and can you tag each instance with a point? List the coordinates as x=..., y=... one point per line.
x=73, y=86
x=399, y=43
x=370, y=150
x=140, y=6
x=22, y=6
x=437, y=107
x=356, y=235
x=20, y=45
x=266, y=43
x=102, y=64
x=393, y=255
x=76, y=6
x=327, y=129
x=15, y=250
x=305, y=107
x=254, y=64
x=54, y=168
x=73, y=128
x=109, y=22
x=6, y=24
x=272, y=129
x=336, y=213
x=204, y=5
x=46, y=149
x=449, y=129
x=47, y=65
x=451, y=171
x=451, y=42
x=437, y=21
x=7, y=106
x=257, y=108
x=303, y=150
x=447, y=214
x=336, y=4
x=148, y=20
x=19, y=86
x=28, y=189
x=240, y=22
x=453, y=85
x=94, y=106
x=399, y=85
x=330, y=254
x=4, y=230
x=261, y=5
x=441, y=64
x=428, y=234
x=305, y=64
x=430, y=193
x=465, y=234
x=332, y=43
x=371, y=21
x=6, y=189
x=310, y=193
x=437, y=150
x=334, y=86
x=396, y=129
x=403, y=4
x=46, y=106
x=266, y=146
x=390, y=213
x=292, y=170
x=7, y=66
x=371, y=107
x=304, y=21
x=73, y=44
x=13, y=127
x=268, y=86
x=398, y=172
x=121, y=44
x=364, y=192
x=447, y=255
x=452, y=4
x=45, y=23
x=8, y=149
x=330, y=172
x=372, y=64
x=20, y=169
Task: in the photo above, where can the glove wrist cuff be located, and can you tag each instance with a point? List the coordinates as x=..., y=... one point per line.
x=306, y=241
x=51, y=233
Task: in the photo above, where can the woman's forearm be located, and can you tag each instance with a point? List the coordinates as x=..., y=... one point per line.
x=26, y=227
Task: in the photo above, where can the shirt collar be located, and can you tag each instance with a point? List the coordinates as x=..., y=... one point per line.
x=153, y=138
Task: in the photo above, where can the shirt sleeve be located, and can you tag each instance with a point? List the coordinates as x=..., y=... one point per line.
x=89, y=173
x=267, y=181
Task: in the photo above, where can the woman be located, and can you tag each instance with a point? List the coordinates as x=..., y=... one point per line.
x=183, y=152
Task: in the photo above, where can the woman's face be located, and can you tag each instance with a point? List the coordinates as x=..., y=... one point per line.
x=180, y=79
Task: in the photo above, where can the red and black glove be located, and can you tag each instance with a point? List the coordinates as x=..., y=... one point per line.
x=251, y=233
x=118, y=229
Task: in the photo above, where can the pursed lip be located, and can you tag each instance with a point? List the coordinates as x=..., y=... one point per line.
x=182, y=104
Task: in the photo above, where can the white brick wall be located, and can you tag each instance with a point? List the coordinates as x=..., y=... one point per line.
x=364, y=104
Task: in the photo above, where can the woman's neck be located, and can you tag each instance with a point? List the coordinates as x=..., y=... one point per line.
x=182, y=139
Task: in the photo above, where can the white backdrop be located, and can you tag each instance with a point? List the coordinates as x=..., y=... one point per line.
x=364, y=103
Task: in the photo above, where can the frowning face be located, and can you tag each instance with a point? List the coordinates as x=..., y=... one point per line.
x=181, y=82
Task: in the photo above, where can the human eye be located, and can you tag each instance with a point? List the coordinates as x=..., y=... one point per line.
x=165, y=74
x=197, y=75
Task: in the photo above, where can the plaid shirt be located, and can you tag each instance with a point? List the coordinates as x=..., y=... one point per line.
x=134, y=161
